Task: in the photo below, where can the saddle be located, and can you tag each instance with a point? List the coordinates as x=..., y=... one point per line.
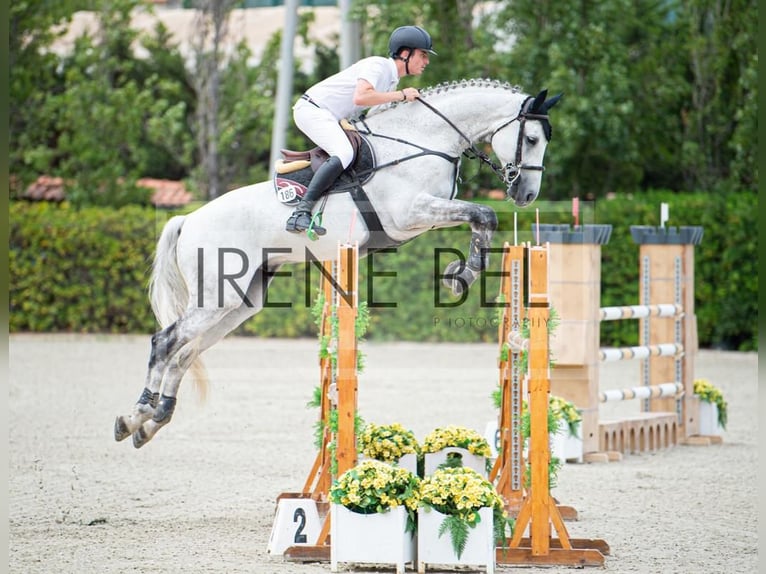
x=294, y=171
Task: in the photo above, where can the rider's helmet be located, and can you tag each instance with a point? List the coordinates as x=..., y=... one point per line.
x=409, y=37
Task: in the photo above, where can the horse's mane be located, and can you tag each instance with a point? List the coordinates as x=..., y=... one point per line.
x=451, y=86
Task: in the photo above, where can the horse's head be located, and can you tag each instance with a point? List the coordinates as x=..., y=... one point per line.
x=520, y=145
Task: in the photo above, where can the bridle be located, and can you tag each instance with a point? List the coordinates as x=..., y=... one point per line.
x=511, y=171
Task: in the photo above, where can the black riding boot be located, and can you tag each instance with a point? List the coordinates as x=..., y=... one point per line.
x=324, y=177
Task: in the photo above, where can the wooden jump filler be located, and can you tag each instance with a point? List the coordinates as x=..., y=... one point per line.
x=667, y=336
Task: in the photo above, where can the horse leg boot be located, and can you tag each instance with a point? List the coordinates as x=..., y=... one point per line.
x=323, y=179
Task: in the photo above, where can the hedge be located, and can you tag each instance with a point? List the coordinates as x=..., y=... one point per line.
x=86, y=271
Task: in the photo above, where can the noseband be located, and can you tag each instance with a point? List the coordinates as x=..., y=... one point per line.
x=511, y=171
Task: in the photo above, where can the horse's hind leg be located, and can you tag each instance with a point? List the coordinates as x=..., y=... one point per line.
x=180, y=364
x=166, y=403
x=164, y=344
x=174, y=350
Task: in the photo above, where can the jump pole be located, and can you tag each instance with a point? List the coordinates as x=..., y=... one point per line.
x=339, y=390
x=538, y=509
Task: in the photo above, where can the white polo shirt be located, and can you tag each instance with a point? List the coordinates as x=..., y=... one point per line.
x=336, y=93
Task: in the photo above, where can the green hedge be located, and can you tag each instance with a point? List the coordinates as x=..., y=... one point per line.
x=80, y=270
x=86, y=271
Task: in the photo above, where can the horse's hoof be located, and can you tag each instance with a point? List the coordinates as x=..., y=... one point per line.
x=121, y=431
x=140, y=438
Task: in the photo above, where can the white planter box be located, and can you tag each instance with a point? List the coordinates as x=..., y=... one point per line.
x=434, y=459
x=709, y=419
x=409, y=462
x=564, y=446
x=492, y=436
x=432, y=549
x=370, y=538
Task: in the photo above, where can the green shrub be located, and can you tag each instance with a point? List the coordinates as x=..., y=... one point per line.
x=86, y=271
x=80, y=270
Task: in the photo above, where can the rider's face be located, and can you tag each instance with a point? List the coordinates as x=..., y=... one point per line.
x=418, y=62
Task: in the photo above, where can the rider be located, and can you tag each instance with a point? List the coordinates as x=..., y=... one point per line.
x=369, y=82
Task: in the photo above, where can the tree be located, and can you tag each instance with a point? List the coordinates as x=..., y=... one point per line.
x=33, y=26
x=99, y=122
x=720, y=140
x=210, y=33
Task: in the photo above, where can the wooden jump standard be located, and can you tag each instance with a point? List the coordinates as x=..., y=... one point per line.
x=339, y=284
x=538, y=510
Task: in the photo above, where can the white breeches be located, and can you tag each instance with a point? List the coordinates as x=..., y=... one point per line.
x=322, y=127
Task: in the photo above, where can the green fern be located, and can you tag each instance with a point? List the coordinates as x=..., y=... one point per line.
x=458, y=532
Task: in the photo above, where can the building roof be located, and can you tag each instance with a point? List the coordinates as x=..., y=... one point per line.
x=165, y=192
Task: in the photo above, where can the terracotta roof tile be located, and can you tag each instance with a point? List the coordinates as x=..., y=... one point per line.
x=165, y=192
x=46, y=188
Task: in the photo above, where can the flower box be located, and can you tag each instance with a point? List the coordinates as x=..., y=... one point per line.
x=434, y=459
x=433, y=549
x=371, y=538
x=709, y=419
x=564, y=446
x=492, y=435
x=409, y=462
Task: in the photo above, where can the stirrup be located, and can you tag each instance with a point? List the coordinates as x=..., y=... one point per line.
x=303, y=221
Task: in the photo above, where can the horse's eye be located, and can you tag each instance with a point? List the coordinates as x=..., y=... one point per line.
x=531, y=140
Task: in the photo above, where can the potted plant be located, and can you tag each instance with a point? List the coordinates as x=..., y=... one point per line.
x=555, y=461
x=456, y=446
x=462, y=503
x=566, y=440
x=390, y=443
x=373, y=508
x=713, y=408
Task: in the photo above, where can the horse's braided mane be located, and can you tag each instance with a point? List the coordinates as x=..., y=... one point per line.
x=450, y=86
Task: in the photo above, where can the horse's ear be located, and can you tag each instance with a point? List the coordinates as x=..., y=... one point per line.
x=550, y=103
x=539, y=100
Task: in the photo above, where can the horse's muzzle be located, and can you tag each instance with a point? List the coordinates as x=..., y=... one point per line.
x=519, y=194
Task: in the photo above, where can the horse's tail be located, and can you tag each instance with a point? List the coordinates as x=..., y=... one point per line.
x=169, y=293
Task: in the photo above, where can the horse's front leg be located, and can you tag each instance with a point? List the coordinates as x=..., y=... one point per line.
x=431, y=211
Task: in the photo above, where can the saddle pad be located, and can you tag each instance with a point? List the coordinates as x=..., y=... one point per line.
x=291, y=187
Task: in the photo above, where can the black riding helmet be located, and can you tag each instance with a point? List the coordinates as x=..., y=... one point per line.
x=409, y=37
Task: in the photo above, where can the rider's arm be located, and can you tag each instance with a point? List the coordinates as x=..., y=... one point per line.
x=366, y=96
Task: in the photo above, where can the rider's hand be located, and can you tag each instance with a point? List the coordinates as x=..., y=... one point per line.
x=410, y=94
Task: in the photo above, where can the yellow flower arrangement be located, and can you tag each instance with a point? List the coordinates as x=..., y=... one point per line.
x=387, y=443
x=710, y=394
x=566, y=411
x=459, y=493
x=456, y=436
x=374, y=487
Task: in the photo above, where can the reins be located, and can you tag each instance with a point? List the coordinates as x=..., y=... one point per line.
x=504, y=173
x=476, y=151
x=508, y=174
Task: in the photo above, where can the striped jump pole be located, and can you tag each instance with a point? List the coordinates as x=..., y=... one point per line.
x=608, y=354
x=652, y=392
x=640, y=312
